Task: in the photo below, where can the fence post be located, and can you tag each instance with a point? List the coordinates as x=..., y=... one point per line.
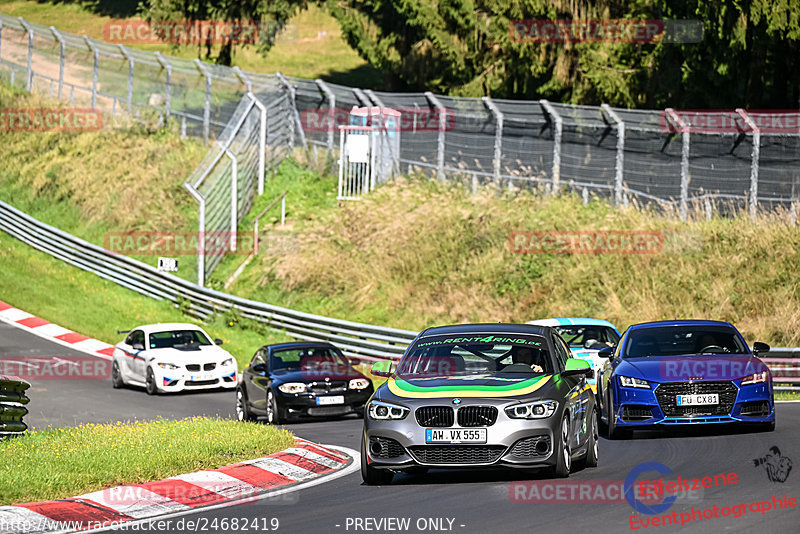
x=295, y=113
x=243, y=78
x=684, y=129
x=442, y=126
x=498, y=136
x=29, y=80
x=167, y=67
x=559, y=124
x=61, y=53
x=331, y=98
x=262, y=140
x=754, y=160
x=234, y=194
x=207, y=106
x=95, y=67
x=201, y=231
x=126, y=55
x=620, y=161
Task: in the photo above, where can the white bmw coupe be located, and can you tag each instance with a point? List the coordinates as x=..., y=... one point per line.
x=168, y=357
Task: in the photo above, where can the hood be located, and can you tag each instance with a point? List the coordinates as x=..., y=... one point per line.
x=296, y=375
x=191, y=354
x=483, y=385
x=684, y=368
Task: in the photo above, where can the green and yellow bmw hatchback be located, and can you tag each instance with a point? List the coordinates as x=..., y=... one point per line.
x=480, y=395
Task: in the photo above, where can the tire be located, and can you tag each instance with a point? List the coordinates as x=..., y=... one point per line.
x=370, y=475
x=563, y=452
x=150, y=385
x=592, y=445
x=243, y=413
x=117, y=381
x=613, y=431
x=275, y=414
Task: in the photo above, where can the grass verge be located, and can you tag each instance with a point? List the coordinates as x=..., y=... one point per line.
x=310, y=46
x=79, y=300
x=65, y=462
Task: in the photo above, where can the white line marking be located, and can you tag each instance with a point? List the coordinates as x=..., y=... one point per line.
x=219, y=483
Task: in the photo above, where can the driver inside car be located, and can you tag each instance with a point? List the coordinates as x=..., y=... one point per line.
x=525, y=356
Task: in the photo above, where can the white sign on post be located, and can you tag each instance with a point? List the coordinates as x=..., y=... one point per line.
x=358, y=148
x=167, y=265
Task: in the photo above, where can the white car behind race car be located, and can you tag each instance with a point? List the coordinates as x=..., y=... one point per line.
x=168, y=357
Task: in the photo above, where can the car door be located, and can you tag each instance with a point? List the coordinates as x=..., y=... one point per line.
x=256, y=380
x=133, y=359
x=577, y=397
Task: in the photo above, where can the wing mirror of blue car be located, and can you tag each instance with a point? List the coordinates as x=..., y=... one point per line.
x=218, y=341
x=577, y=366
x=258, y=368
x=760, y=348
x=382, y=368
x=606, y=352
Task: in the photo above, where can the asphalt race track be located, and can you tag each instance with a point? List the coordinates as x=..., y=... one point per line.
x=460, y=501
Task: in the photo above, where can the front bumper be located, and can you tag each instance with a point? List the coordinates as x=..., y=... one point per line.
x=642, y=408
x=518, y=443
x=306, y=404
x=178, y=381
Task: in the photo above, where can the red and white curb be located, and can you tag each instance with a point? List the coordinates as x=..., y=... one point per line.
x=53, y=332
x=246, y=481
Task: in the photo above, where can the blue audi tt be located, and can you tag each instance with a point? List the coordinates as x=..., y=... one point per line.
x=684, y=372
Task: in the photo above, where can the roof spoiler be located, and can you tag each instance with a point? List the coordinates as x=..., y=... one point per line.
x=124, y=331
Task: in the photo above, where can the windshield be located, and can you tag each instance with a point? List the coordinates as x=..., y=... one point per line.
x=581, y=336
x=177, y=338
x=308, y=359
x=471, y=354
x=683, y=340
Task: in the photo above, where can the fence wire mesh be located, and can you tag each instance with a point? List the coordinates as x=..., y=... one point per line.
x=747, y=161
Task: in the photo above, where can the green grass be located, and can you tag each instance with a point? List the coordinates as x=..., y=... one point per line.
x=66, y=462
x=311, y=46
x=787, y=396
x=81, y=301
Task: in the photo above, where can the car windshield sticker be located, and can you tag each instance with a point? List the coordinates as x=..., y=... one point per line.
x=497, y=340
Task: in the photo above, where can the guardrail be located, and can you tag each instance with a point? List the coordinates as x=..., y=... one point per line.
x=12, y=406
x=358, y=340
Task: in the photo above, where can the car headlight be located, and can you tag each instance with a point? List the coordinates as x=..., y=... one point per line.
x=170, y=366
x=358, y=383
x=628, y=382
x=532, y=410
x=383, y=411
x=755, y=378
x=227, y=362
x=292, y=387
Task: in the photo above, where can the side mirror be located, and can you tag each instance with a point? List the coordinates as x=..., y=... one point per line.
x=218, y=341
x=606, y=352
x=259, y=368
x=577, y=366
x=137, y=346
x=760, y=348
x=382, y=368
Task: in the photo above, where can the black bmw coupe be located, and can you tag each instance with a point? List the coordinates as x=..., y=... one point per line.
x=300, y=379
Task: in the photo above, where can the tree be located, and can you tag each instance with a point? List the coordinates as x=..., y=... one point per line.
x=270, y=16
x=748, y=55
